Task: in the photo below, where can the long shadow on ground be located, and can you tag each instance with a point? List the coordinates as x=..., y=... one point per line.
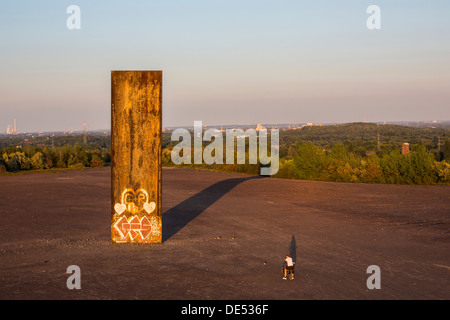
x=293, y=249
x=179, y=216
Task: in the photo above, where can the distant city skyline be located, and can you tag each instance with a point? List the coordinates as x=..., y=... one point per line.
x=12, y=129
x=234, y=62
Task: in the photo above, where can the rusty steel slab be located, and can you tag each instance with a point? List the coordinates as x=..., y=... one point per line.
x=136, y=125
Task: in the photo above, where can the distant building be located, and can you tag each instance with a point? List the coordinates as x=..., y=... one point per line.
x=259, y=127
x=12, y=130
x=405, y=148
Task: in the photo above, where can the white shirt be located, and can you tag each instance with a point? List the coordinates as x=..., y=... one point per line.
x=289, y=262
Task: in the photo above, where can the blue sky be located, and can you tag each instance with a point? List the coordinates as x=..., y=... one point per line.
x=226, y=62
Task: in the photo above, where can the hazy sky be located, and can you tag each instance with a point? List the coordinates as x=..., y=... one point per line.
x=226, y=62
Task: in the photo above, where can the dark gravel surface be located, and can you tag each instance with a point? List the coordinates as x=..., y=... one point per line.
x=225, y=237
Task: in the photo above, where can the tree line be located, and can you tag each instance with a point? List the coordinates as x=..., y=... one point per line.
x=419, y=166
x=340, y=163
x=355, y=152
x=13, y=159
x=359, y=152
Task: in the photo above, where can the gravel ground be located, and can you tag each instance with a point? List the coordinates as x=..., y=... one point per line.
x=224, y=237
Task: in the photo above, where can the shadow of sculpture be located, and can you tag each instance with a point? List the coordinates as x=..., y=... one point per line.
x=174, y=219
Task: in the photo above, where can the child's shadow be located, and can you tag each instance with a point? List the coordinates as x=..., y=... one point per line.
x=293, y=249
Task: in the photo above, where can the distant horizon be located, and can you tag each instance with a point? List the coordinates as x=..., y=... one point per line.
x=246, y=125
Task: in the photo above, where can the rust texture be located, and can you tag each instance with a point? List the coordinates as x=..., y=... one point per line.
x=136, y=103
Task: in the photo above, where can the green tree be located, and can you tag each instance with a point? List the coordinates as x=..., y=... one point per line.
x=309, y=162
x=423, y=168
x=443, y=171
x=106, y=156
x=78, y=158
x=26, y=164
x=370, y=170
x=166, y=159
x=405, y=169
x=63, y=156
x=23, y=160
x=389, y=165
x=38, y=161
x=13, y=164
x=2, y=162
x=339, y=152
x=286, y=169
x=50, y=156
x=446, y=150
x=4, y=158
x=342, y=164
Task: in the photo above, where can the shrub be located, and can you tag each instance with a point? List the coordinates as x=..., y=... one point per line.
x=96, y=162
x=76, y=166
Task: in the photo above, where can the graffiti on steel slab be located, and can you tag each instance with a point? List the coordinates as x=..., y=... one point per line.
x=132, y=217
